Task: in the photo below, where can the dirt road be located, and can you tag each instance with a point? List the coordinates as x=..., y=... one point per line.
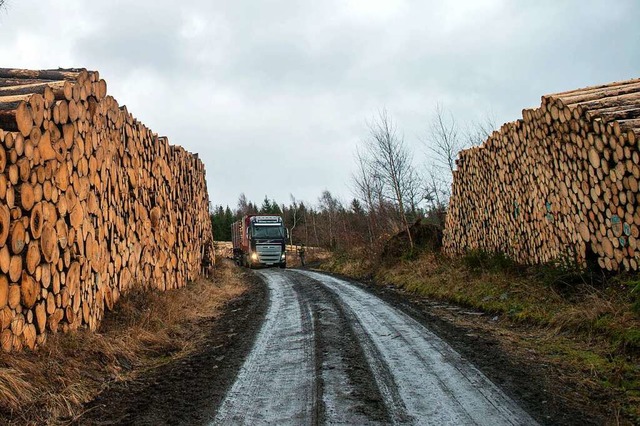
x=330, y=352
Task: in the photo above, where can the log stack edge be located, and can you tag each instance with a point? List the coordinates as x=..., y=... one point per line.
x=560, y=184
x=92, y=203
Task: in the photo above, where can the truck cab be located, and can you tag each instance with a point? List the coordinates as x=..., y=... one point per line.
x=260, y=240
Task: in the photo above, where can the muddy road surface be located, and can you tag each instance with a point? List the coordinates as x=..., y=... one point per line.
x=329, y=352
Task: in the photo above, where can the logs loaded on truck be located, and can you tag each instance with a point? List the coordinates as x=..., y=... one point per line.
x=259, y=240
x=92, y=204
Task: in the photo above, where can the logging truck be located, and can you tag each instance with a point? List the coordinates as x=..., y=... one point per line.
x=259, y=240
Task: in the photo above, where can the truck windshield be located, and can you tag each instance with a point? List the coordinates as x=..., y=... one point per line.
x=268, y=232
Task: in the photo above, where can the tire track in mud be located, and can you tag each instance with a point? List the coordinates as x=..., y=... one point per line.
x=276, y=382
x=435, y=383
x=306, y=366
x=347, y=388
x=330, y=352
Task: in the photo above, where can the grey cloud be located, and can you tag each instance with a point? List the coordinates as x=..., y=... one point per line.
x=130, y=35
x=288, y=85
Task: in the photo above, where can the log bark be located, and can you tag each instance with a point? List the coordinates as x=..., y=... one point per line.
x=93, y=204
x=16, y=116
x=60, y=74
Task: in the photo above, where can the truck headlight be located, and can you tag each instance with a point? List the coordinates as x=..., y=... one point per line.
x=282, y=257
x=254, y=256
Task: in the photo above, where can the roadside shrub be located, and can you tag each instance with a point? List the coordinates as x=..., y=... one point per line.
x=560, y=275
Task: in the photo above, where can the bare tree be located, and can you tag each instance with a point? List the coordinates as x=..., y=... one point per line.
x=246, y=207
x=243, y=205
x=304, y=213
x=315, y=226
x=365, y=185
x=444, y=140
x=329, y=205
x=392, y=160
x=480, y=130
x=415, y=193
x=436, y=190
x=295, y=208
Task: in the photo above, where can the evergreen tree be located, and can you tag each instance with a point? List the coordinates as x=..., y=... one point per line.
x=270, y=207
x=221, y=220
x=266, y=206
x=275, y=208
x=229, y=219
x=356, y=207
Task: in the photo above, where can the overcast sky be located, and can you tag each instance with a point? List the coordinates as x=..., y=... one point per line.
x=275, y=95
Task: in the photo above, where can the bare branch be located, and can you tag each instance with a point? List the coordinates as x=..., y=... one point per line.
x=444, y=140
x=480, y=131
x=295, y=208
x=415, y=193
x=330, y=206
x=436, y=190
x=392, y=163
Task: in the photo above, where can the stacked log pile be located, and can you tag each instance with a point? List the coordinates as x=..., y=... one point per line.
x=561, y=184
x=92, y=203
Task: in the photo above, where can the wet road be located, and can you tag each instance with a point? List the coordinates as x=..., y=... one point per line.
x=329, y=352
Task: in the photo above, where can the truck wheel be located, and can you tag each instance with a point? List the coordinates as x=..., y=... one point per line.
x=283, y=265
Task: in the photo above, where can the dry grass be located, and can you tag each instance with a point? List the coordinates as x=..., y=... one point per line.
x=519, y=294
x=589, y=331
x=147, y=329
x=312, y=255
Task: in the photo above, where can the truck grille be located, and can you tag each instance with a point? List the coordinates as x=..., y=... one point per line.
x=269, y=254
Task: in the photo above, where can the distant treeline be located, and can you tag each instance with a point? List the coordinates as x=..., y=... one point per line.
x=223, y=217
x=329, y=223
x=391, y=189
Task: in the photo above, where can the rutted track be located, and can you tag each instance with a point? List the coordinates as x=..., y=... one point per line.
x=330, y=352
x=276, y=382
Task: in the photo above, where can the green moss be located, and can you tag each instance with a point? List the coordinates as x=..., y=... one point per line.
x=631, y=338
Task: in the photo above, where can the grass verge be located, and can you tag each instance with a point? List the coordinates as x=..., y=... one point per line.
x=147, y=329
x=586, y=325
